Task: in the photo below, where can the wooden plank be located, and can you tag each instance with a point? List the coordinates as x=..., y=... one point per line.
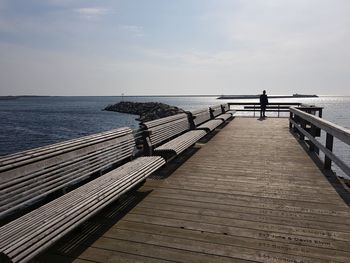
x=241, y=213
x=270, y=194
x=210, y=248
x=259, y=189
x=305, y=211
x=218, y=237
x=105, y=255
x=164, y=251
x=250, y=194
x=54, y=258
x=242, y=232
x=246, y=224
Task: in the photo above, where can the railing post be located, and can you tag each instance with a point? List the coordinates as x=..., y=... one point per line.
x=303, y=126
x=290, y=118
x=329, y=146
x=278, y=110
x=296, y=118
x=313, y=133
x=320, y=113
x=254, y=110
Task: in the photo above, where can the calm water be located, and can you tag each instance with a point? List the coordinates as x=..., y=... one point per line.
x=31, y=122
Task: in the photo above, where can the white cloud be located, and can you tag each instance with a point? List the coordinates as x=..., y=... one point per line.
x=283, y=46
x=91, y=12
x=134, y=30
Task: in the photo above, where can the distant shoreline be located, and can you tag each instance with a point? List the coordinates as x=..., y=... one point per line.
x=21, y=96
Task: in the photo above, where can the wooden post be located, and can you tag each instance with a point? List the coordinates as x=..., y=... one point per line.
x=329, y=146
x=320, y=113
x=147, y=146
x=313, y=133
x=303, y=125
x=290, y=118
x=296, y=118
x=211, y=112
x=191, y=118
x=254, y=110
x=222, y=109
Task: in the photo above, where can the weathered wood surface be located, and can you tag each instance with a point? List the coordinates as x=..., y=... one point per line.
x=29, y=176
x=251, y=194
x=30, y=234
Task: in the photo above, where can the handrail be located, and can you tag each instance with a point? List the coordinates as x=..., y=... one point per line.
x=277, y=107
x=272, y=103
x=298, y=122
x=337, y=131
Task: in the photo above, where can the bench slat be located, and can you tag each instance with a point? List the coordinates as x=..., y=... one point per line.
x=210, y=125
x=157, y=122
x=18, y=159
x=216, y=110
x=30, y=180
x=201, y=116
x=126, y=146
x=9, y=172
x=30, y=222
x=22, y=197
x=179, y=144
x=24, y=237
x=224, y=116
x=167, y=130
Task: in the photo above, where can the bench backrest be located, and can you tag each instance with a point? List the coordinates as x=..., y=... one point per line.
x=20, y=164
x=164, y=129
x=216, y=110
x=225, y=107
x=200, y=116
x=28, y=176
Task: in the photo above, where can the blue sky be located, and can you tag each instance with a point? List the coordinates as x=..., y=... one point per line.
x=84, y=47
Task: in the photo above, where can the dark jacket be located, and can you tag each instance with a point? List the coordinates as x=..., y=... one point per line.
x=263, y=100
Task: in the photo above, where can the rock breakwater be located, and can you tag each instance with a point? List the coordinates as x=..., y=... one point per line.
x=146, y=110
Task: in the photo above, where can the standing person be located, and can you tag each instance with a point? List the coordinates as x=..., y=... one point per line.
x=263, y=102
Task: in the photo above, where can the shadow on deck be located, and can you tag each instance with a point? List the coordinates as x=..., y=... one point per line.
x=252, y=193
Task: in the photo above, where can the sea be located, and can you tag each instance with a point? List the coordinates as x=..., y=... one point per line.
x=29, y=121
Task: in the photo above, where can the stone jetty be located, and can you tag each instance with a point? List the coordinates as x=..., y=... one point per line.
x=147, y=111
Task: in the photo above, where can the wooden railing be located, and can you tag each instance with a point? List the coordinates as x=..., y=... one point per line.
x=276, y=107
x=308, y=125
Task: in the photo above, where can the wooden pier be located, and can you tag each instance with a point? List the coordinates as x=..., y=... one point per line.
x=252, y=193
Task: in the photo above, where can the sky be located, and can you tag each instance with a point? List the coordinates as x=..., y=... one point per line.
x=174, y=47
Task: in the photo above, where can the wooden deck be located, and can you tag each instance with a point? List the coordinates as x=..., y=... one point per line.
x=250, y=194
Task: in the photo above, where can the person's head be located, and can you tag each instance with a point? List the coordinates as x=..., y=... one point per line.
x=264, y=92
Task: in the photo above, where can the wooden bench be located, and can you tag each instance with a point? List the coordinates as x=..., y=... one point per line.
x=27, y=236
x=202, y=120
x=170, y=136
x=226, y=109
x=217, y=112
x=29, y=176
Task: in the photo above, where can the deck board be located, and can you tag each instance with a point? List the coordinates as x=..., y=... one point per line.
x=250, y=194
